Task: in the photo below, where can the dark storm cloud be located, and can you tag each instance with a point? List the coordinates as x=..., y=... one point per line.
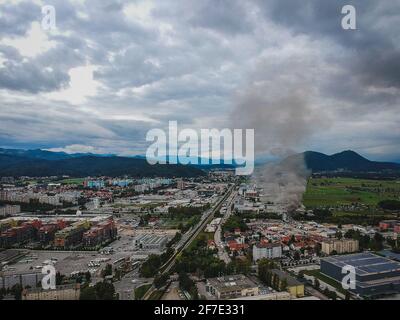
x=25, y=76
x=284, y=66
x=226, y=16
x=375, y=43
x=15, y=19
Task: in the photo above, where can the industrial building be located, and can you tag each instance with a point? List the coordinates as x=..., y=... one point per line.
x=267, y=250
x=375, y=275
x=230, y=287
x=150, y=241
x=31, y=278
x=64, y=292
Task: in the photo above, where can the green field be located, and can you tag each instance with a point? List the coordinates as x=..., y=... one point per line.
x=72, y=181
x=334, y=192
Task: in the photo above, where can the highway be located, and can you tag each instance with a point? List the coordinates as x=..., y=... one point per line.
x=187, y=240
x=222, y=254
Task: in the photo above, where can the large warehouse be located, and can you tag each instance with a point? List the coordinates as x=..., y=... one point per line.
x=375, y=275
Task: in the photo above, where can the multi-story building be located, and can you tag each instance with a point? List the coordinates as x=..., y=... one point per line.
x=72, y=235
x=8, y=210
x=19, y=234
x=294, y=287
x=230, y=287
x=339, y=246
x=104, y=231
x=47, y=233
x=95, y=184
x=267, y=250
x=180, y=184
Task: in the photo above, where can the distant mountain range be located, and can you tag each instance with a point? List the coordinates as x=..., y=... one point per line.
x=16, y=162
x=51, y=155
x=36, y=163
x=47, y=155
x=345, y=161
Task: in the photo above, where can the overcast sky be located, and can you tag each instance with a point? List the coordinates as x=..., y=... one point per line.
x=112, y=70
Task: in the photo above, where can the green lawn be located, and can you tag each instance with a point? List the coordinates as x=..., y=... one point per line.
x=140, y=291
x=317, y=274
x=343, y=191
x=72, y=181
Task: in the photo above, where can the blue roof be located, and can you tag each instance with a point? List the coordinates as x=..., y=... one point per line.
x=365, y=263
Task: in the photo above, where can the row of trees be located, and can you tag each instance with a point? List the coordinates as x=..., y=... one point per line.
x=392, y=205
x=188, y=285
x=151, y=266
x=235, y=222
x=100, y=291
x=366, y=242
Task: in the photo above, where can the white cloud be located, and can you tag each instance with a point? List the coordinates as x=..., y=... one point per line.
x=78, y=148
x=81, y=86
x=35, y=42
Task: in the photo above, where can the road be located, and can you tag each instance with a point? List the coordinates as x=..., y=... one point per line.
x=191, y=236
x=128, y=283
x=324, y=285
x=315, y=292
x=222, y=254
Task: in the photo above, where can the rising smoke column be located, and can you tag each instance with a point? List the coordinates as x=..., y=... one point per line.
x=280, y=103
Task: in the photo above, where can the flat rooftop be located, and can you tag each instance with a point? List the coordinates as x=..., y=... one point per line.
x=365, y=263
x=231, y=283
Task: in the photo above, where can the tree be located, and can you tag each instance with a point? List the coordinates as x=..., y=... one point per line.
x=283, y=285
x=160, y=280
x=88, y=276
x=118, y=274
x=16, y=290
x=316, y=284
x=88, y=293
x=59, y=278
x=107, y=271
x=104, y=291
x=318, y=248
x=185, y=283
x=263, y=268
x=150, y=267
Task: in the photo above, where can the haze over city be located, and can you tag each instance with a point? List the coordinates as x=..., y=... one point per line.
x=112, y=70
x=211, y=152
